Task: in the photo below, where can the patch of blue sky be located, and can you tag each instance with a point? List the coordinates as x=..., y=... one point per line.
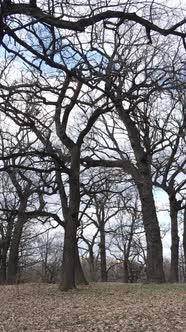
x=73, y=58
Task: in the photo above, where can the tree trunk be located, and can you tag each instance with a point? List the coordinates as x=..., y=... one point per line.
x=71, y=224
x=174, y=277
x=103, y=252
x=125, y=271
x=68, y=265
x=142, y=175
x=14, y=246
x=3, y=265
x=4, y=251
x=92, y=264
x=184, y=238
x=3, y=260
x=154, y=266
x=15, y=243
x=79, y=274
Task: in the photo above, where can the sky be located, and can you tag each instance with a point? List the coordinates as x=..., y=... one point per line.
x=162, y=204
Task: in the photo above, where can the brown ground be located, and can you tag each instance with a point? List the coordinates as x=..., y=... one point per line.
x=98, y=307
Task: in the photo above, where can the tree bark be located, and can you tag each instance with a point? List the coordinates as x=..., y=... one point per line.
x=174, y=275
x=68, y=265
x=14, y=252
x=6, y=246
x=3, y=264
x=154, y=266
x=184, y=235
x=15, y=243
x=125, y=271
x=3, y=260
x=71, y=224
x=103, y=252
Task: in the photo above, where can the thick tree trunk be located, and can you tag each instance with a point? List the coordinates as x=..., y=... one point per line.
x=14, y=251
x=154, y=266
x=125, y=271
x=79, y=274
x=68, y=266
x=15, y=243
x=143, y=179
x=4, y=251
x=3, y=265
x=174, y=275
x=3, y=258
x=71, y=224
x=184, y=238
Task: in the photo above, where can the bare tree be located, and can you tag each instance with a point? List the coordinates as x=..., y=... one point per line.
x=124, y=236
x=136, y=83
x=169, y=164
x=50, y=39
x=8, y=203
x=28, y=190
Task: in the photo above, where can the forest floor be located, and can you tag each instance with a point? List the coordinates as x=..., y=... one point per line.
x=97, y=307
